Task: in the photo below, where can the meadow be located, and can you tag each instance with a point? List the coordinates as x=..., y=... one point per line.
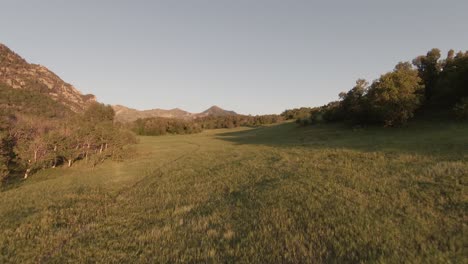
x=273, y=194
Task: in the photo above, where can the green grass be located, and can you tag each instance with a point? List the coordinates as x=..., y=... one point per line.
x=267, y=195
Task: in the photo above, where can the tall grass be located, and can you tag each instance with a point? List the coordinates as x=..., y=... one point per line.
x=267, y=195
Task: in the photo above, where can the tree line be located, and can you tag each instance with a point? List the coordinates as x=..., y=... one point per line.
x=297, y=113
x=155, y=126
x=37, y=132
x=429, y=84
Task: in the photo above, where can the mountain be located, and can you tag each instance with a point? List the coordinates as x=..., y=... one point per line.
x=216, y=111
x=125, y=114
x=36, y=81
x=17, y=73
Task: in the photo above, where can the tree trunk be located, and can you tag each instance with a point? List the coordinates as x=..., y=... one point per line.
x=55, y=156
x=69, y=163
x=26, y=173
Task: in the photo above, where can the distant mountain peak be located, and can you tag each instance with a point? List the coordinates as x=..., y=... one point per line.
x=216, y=111
x=214, y=107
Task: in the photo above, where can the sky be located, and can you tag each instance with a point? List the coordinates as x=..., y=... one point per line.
x=250, y=56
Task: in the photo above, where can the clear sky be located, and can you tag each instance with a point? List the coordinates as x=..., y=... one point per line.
x=250, y=56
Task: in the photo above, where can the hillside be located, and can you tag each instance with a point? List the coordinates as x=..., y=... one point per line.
x=31, y=103
x=278, y=194
x=125, y=114
x=17, y=73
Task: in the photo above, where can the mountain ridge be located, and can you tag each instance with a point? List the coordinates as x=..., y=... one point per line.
x=17, y=73
x=127, y=114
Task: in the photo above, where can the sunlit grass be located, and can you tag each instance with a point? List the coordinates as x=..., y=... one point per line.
x=268, y=195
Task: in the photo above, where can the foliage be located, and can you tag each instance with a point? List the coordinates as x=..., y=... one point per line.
x=354, y=103
x=297, y=113
x=156, y=126
x=215, y=122
x=434, y=86
x=452, y=84
x=394, y=97
x=30, y=102
x=160, y=126
x=97, y=112
x=37, y=132
x=429, y=69
x=6, y=155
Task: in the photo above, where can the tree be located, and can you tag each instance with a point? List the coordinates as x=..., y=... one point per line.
x=31, y=146
x=429, y=69
x=354, y=103
x=297, y=113
x=395, y=96
x=98, y=112
x=452, y=84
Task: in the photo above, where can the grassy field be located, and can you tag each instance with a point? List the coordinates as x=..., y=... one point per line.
x=266, y=195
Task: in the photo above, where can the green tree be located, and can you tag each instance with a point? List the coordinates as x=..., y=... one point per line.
x=354, y=103
x=395, y=96
x=452, y=84
x=98, y=112
x=429, y=69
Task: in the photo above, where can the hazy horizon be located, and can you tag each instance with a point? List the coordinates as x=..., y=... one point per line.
x=252, y=57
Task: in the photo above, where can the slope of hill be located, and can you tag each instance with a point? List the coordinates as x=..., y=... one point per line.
x=125, y=114
x=30, y=102
x=17, y=73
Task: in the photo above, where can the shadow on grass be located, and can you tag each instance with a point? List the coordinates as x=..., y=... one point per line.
x=448, y=139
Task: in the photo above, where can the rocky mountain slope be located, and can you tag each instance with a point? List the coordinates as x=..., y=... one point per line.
x=125, y=114
x=17, y=73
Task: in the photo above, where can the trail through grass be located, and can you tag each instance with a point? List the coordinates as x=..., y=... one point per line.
x=263, y=195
